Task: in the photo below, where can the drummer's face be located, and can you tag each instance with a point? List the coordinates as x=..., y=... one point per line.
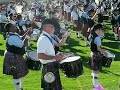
x=49, y=28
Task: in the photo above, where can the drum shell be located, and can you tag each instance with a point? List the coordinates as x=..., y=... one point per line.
x=32, y=63
x=106, y=62
x=72, y=69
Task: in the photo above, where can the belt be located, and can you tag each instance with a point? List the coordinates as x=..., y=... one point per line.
x=54, y=65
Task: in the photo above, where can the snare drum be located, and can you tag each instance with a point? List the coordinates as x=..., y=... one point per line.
x=32, y=60
x=72, y=66
x=106, y=61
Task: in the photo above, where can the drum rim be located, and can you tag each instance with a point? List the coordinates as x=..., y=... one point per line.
x=27, y=54
x=71, y=61
x=111, y=53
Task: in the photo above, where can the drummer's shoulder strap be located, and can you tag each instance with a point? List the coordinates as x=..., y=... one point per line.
x=12, y=35
x=48, y=38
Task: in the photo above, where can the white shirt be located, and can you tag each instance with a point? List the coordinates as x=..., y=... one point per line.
x=65, y=6
x=45, y=46
x=15, y=40
x=55, y=39
x=67, y=9
x=74, y=15
x=31, y=15
x=12, y=11
x=13, y=22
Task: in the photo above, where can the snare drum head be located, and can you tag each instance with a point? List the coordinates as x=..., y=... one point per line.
x=110, y=55
x=71, y=59
x=33, y=55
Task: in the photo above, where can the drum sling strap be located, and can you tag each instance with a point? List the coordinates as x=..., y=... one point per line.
x=15, y=50
x=48, y=38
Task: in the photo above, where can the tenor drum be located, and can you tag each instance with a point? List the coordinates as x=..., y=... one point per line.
x=72, y=66
x=106, y=61
x=32, y=60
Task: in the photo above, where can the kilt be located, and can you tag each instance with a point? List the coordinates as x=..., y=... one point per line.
x=95, y=61
x=69, y=17
x=79, y=25
x=14, y=65
x=54, y=68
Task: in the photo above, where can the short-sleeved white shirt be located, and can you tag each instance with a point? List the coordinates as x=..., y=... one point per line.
x=44, y=45
x=65, y=6
x=74, y=15
x=67, y=9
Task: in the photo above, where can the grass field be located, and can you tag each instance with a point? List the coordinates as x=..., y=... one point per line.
x=109, y=77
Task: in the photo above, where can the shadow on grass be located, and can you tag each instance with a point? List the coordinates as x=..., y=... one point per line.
x=1, y=52
x=109, y=72
x=1, y=44
x=106, y=28
x=109, y=36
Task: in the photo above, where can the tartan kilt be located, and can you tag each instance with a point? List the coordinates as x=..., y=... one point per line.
x=95, y=61
x=14, y=65
x=54, y=68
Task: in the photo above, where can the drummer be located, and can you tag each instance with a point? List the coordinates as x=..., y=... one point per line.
x=46, y=53
x=96, y=57
x=75, y=18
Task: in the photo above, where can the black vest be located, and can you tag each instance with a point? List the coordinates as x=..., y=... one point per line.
x=14, y=49
x=93, y=46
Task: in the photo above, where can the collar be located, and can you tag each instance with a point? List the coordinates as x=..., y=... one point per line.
x=43, y=32
x=13, y=33
x=96, y=32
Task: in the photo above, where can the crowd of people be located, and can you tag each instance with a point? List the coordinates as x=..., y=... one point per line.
x=54, y=21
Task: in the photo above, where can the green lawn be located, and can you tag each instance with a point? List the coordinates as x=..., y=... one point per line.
x=109, y=77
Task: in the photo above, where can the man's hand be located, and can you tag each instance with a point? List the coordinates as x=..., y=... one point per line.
x=59, y=57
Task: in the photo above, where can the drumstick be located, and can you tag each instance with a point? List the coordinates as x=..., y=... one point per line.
x=66, y=56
